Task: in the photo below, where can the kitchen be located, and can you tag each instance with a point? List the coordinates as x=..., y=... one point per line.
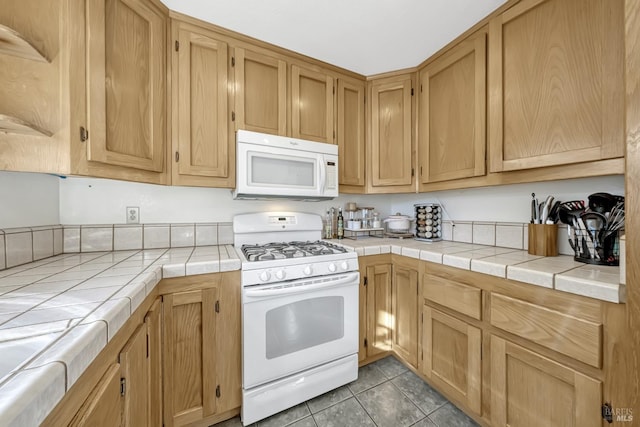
x=90, y=201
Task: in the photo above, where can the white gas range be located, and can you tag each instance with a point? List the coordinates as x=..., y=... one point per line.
x=299, y=311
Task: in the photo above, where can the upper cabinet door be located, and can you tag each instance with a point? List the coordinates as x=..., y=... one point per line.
x=311, y=105
x=126, y=83
x=452, y=114
x=391, y=147
x=201, y=122
x=351, y=119
x=556, y=83
x=261, y=92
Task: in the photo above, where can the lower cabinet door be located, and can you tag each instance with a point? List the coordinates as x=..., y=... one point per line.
x=103, y=407
x=528, y=389
x=189, y=356
x=452, y=356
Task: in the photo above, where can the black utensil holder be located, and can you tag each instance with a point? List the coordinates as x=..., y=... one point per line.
x=585, y=249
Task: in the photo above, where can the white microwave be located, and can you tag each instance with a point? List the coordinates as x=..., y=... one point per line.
x=278, y=167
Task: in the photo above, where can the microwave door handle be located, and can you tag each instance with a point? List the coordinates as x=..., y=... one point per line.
x=349, y=278
x=323, y=174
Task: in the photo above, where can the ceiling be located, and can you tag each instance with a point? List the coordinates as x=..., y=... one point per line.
x=365, y=36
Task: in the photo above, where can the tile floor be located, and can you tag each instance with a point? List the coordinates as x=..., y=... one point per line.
x=386, y=394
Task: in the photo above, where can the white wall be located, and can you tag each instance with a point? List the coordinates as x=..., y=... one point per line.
x=101, y=201
x=507, y=203
x=28, y=199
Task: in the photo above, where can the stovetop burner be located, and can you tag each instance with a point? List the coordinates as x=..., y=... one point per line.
x=281, y=250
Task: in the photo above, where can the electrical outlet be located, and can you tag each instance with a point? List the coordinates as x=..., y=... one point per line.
x=133, y=215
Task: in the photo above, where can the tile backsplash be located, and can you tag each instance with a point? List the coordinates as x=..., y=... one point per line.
x=23, y=245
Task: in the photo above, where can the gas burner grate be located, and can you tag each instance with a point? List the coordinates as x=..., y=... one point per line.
x=283, y=250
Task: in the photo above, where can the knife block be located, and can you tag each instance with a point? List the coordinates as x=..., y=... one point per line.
x=543, y=239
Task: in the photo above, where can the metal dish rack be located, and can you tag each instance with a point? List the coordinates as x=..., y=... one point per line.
x=590, y=249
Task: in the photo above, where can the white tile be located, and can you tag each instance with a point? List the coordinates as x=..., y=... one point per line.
x=102, y=282
x=173, y=270
x=76, y=349
x=127, y=237
x=458, y=261
x=462, y=232
x=447, y=230
x=230, y=264
x=121, y=271
x=2, y=258
x=396, y=249
x=135, y=291
x=206, y=234
x=509, y=236
x=114, y=313
x=19, y=350
x=541, y=271
x=19, y=248
x=202, y=267
x=71, y=237
x=431, y=256
x=372, y=250
x=525, y=237
x=21, y=280
x=411, y=252
x=28, y=397
x=80, y=296
x=385, y=249
x=360, y=251
x=93, y=239
x=35, y=317
x=225, y=233
x=182, y=235
x=43, y=287
x=564, y=248
x=484, y=233
x=58, y=241
x=594, y=281
x=69, y=275
x=20, y=304
x=42, y=244
x=156, y=236
x=207, y=251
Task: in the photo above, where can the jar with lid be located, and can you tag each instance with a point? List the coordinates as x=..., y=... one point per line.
x=375, y=222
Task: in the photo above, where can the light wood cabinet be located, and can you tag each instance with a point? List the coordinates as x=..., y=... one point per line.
x=103, y=407
x=312, y=104
x=127, y=394
x=390, y=154
x=556, y=83
x=452, y=114
x=189, y=356
x=452, y=356
x=351, y=135
x=202, y=372
x=528, y=389
x=404, y=312
x=261, y=92
x=135, y=379
x=375, y=306
x=203, y=147
x=96, y=104
x=126, y=83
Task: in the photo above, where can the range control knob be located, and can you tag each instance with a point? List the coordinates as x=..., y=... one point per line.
x=307, y=270
x=332, y=268
x=265, y=276
x=344, y=265
x=280, y=274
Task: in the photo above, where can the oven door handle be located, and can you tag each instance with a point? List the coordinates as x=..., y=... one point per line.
x=349, y=278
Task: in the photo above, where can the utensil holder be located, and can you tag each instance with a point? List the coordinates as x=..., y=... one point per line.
x=605, y=252
x=543, y=239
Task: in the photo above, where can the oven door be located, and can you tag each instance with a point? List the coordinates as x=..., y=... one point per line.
x=292, y=326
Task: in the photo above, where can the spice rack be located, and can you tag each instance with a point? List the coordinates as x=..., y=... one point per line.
x=428, y=222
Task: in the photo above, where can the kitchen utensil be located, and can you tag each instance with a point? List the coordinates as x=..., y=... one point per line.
x=534, y=208
x=601, y=202
x=594, y=224
x=548, y=203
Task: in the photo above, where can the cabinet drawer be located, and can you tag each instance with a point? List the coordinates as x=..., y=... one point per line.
x=461, y=298
x=577, y=338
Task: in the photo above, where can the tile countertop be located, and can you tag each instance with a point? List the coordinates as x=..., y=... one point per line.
x=560, y=272
x=58, y=313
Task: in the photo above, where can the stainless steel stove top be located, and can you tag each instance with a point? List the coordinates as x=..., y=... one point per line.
x=285, y=250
